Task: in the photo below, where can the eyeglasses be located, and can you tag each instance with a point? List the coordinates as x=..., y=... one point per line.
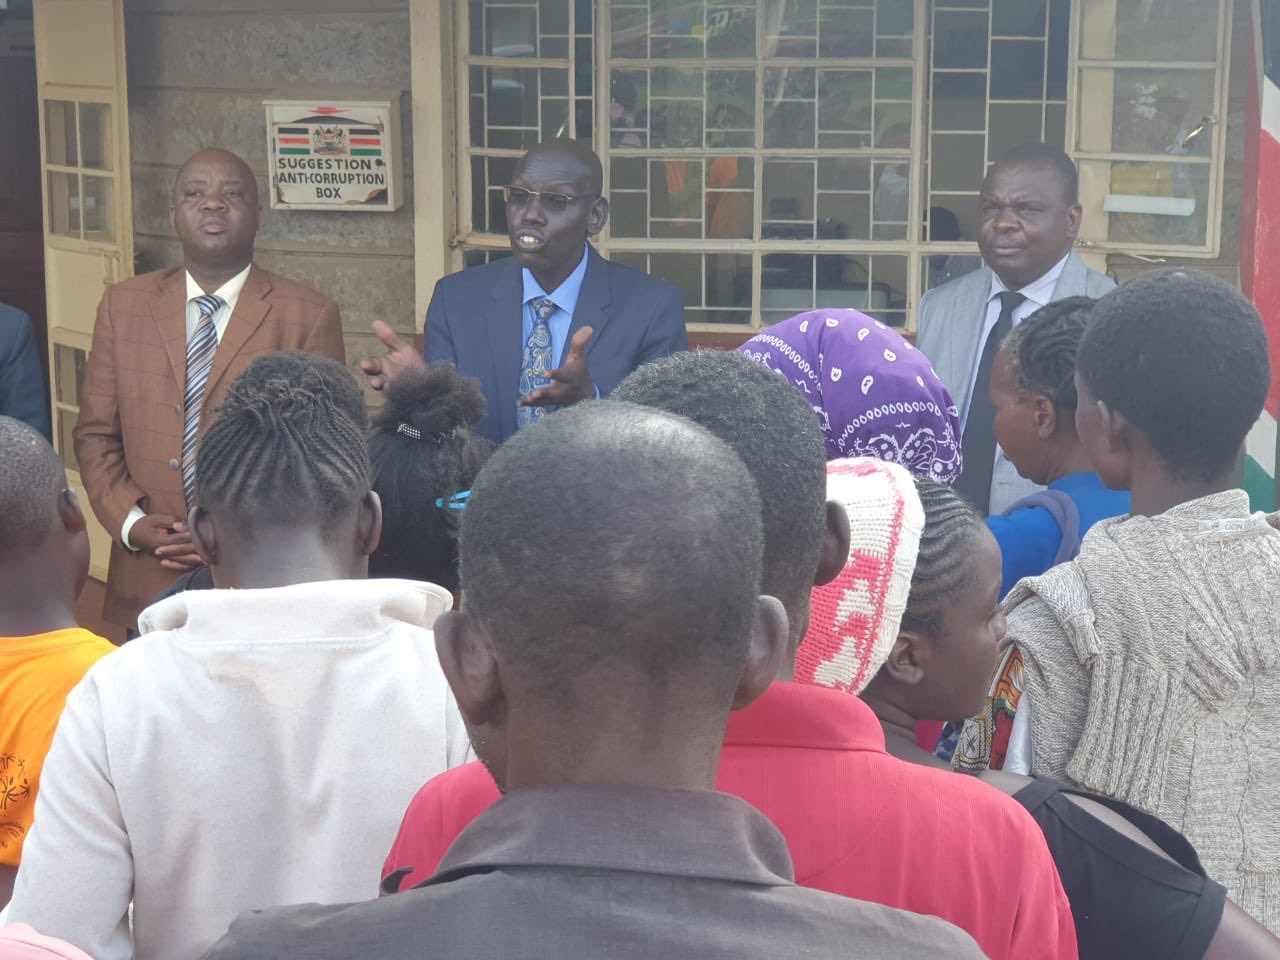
x=456, y=502
x=557, y=202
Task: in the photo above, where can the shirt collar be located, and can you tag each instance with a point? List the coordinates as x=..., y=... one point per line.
x=689, y=833
x=1039, y=291
x=229, y=291
x=564, y=296
x=803, y=715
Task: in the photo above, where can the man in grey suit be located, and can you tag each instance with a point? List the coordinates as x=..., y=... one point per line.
x=596, y=689
x=1028, y=216
x=555, y=323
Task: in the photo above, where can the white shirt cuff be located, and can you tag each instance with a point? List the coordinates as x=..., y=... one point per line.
x=135, y=514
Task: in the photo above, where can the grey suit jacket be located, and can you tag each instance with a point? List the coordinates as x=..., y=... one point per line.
x=628, y=873
x=951, y=320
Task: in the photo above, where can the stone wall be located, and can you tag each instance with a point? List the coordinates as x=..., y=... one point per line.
x=198, y=72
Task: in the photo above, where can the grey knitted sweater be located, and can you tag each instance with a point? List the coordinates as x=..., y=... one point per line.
x=1153, y=671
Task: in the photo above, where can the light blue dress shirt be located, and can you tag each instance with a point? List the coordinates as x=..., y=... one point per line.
x=565, y=298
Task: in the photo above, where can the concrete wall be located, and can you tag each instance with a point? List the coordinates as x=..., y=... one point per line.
x=198, y=72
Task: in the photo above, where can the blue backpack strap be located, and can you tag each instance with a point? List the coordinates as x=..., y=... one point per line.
x=1065, y=513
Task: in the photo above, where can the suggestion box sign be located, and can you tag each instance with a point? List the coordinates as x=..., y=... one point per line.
x=341, y=155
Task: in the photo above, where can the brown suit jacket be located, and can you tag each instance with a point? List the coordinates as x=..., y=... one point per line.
x=129, y=437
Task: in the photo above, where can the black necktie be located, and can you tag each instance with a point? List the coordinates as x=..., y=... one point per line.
x=979, y=430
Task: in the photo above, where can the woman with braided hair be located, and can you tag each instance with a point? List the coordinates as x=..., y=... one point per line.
x=258, y=743
x=1034, y=394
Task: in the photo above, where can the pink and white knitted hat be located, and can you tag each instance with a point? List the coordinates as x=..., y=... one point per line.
x=19, y=942
x=855, y=618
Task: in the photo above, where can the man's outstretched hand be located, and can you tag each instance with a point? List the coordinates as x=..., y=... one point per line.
x=570, y=383
x=399, y=356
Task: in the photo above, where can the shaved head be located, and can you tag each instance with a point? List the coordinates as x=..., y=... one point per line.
x=31, y=479
x=616, y=544
x=569, y=155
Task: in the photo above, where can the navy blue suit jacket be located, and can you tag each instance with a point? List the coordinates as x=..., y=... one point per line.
x=474, y=320
x=21, y=379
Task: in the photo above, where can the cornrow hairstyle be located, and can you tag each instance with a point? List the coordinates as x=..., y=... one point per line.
x=1043, y=154
x=341, y=385
x=950, y=523
x=31, y=478
x=422, y=449
x=1042, y=350
x=284, y=449
x=1184, y=357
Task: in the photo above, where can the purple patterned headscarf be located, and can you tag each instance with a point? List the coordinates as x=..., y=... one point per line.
x=875, y=394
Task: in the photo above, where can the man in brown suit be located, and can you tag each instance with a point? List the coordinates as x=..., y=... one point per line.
x=166, y=345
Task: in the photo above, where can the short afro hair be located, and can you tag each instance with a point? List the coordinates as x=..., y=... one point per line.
x=1043, y=154
x=770, y=425
x=31, y=477
x=1184, y=357
x=285, y=447
x=1043, y=348
x=618, y=541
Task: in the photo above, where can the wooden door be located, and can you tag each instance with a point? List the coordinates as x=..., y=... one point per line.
x=88, y=214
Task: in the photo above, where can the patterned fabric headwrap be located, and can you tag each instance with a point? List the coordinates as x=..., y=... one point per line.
x=855, y=618
x=874, y=393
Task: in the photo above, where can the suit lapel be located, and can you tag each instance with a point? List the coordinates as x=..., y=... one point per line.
x=593, y=302
x=251, y=309
x=503, y=325
x=972, y=302
x=169, y=311
x=1072, y=281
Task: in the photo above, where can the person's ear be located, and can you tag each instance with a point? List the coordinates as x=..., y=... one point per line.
x=1074, y=212
x=598, y=216
x=1045, y=416
x=770, y=637
x=466, y=656
x=1115, y=427
x=908, y=660
x=203, y=535
x=369, y=523
x=69, y=512
x=835, y=544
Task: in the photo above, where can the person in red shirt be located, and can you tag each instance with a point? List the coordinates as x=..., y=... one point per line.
x=858, y=821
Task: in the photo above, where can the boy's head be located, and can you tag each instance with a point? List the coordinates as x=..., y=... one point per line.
x=610, y=557
x=1033, y=388
x=771, y=427
x=285, y=462
x=423, y=453
x=42, y=528
x=1173, y=370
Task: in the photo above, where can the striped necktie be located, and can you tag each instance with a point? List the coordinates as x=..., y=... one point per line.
x=537, y=361
x=200, y=350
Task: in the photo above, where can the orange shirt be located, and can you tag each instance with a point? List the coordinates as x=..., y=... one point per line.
x=36, y=674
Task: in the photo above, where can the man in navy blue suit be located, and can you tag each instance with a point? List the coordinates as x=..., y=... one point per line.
x=21, y=379
x=603, y=320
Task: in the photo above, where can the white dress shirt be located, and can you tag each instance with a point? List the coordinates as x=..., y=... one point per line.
x=1038, y=294
x=230, y=293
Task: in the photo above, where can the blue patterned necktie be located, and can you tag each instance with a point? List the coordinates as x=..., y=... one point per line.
x=200, y=350
x=537, y=361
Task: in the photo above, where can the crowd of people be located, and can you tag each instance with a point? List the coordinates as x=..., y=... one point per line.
x=586, y=644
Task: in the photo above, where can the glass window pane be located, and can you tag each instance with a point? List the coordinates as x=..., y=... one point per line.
x=64, y=204
x=728, y=288
x=730, y=198
x=682, y=269
x=98, y=208
x=894, y=18
x=731, y=108
x=844, y=108
x=629, y=108
x=791, y=28
x=95, y=135
x=1178, y=30
x=892, y=198
x=676, y=202
x=844, y=32
x=60, y=131
x=1017, y=18
x=66, y=441
x=960, y=39
x=1157, y=202
x=959, y=101
x=511, y=106
x=68, y=373
x=1012, y=124
x=1152, y=111
x=731, y=29
x=788, y=199
x=940, y=268
x=958, y=163
x=1017, y=69
x=510, y=29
